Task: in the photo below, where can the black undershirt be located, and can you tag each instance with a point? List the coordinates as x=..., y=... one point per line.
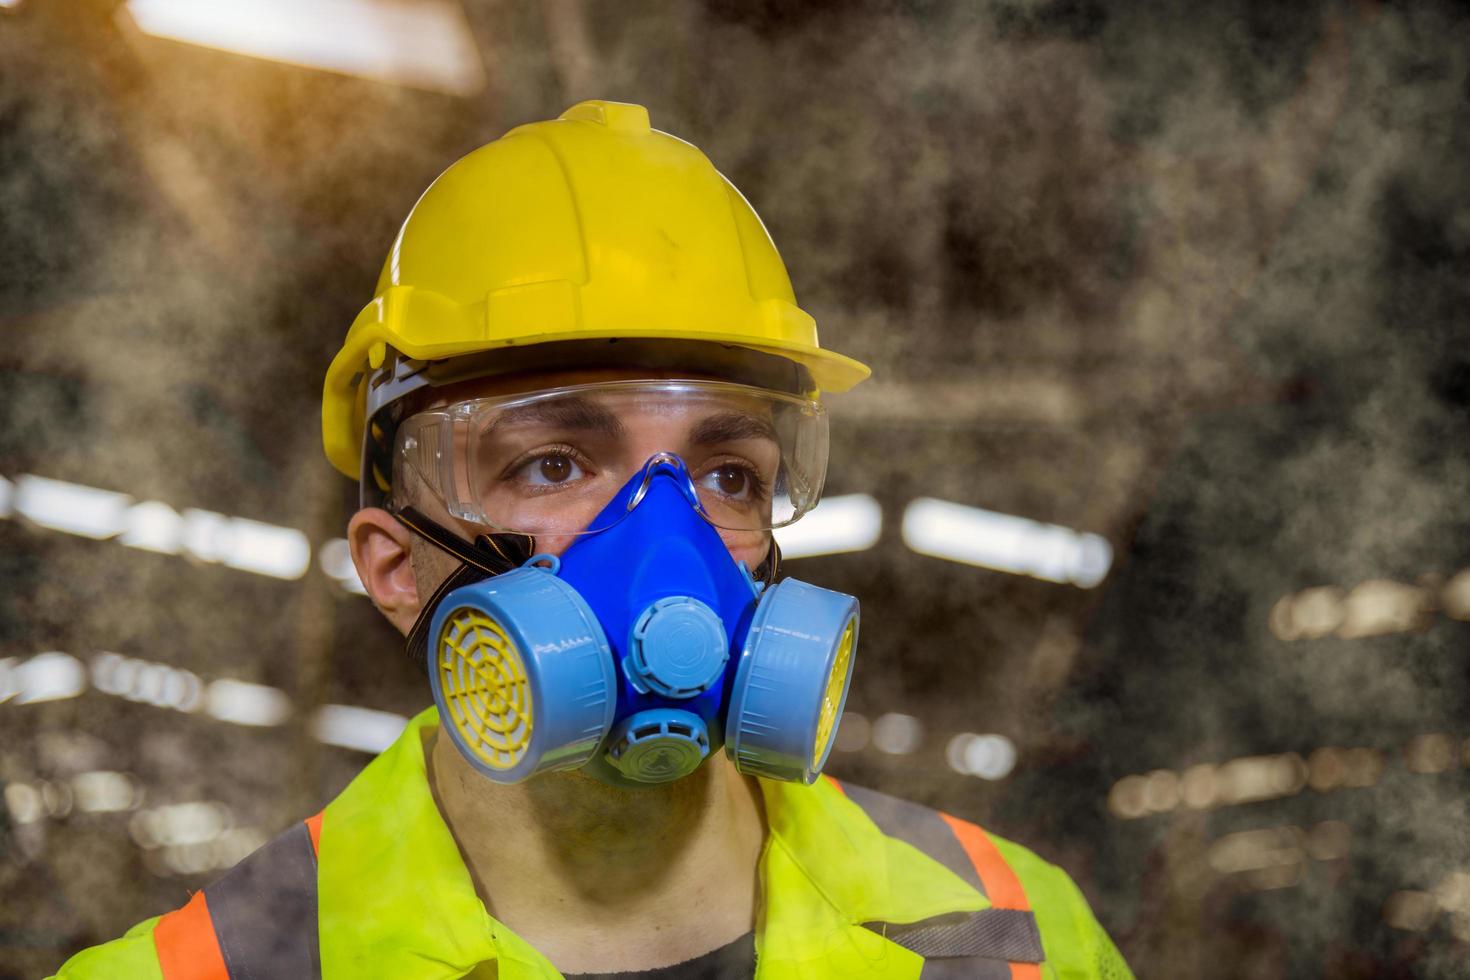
x=733, y=962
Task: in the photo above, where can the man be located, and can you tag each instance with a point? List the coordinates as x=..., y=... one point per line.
x=580, y=401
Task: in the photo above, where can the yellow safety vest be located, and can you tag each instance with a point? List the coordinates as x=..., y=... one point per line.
x=853, y=884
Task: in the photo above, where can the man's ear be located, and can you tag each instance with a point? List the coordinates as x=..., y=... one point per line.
x=380, y=550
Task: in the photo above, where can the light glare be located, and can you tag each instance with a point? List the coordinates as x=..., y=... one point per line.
x=1005, y=543
x=153, y=526
x=1252, y=850
x=146, y=682
x=70, y=507
x=251, y=546
x=335, y=559
x=897, y=734
x=265, y=549
x=101, y=791
x=49, y=677
x=852, y=522
x=243, y=703
x=180, y=823
x=24, y=803
x=363, y=729
x=426, y=44
x=1412, y=911
x=1454, y=597
x=990, y=757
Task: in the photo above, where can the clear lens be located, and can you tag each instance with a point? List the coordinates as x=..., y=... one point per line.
x=549, y=462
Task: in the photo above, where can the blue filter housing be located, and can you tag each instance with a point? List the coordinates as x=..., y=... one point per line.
x=522, y=674
x=776, y=727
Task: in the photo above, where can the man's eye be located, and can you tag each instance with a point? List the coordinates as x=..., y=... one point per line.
x=729, y=480
x=550, y=469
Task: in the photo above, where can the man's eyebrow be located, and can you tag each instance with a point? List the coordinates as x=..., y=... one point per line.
x=732, y=426
x=562, y=413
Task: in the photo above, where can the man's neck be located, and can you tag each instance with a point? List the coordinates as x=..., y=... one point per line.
x=604, y=879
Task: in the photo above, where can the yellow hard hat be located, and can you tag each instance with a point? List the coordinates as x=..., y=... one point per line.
x=592, y=226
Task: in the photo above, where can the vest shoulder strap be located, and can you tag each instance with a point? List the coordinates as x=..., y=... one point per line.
x=259, y=921
x=1005, y=934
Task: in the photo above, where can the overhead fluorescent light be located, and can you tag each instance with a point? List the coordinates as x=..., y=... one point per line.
x=281, y=552
x=897, y=734
x=1006, y=543
x=422, y=44
x=153, y=526
x=987, y=756
x=70, y=507
x=335, y=559
x=102, y=791
x=244, y=703
x=204, y=534
x=180, y=823
x=848, y=523
x=363, y=729
x=251, y=546
x=146, y=682
x=24, y=802
x=49, y=677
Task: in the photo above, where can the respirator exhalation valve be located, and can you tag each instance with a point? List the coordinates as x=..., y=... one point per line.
x=658, y=745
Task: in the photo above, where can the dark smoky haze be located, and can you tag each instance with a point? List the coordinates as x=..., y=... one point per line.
x=1189, y=279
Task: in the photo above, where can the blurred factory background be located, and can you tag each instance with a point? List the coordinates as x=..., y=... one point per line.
x=1158, y=502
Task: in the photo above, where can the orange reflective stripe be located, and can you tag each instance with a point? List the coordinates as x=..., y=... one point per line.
x=186, y=944
x=1002, y=886
x=314, y=827
x=835, y=785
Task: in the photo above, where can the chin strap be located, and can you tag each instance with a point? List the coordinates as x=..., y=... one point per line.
x=487, y=556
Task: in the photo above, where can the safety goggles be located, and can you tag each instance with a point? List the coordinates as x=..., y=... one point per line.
x=549, y=462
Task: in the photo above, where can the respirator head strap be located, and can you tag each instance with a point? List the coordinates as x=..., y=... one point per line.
x=489, y=555
x=417, y=641
x=766, y=572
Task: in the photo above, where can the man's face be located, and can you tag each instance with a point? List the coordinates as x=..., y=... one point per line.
x=547, y=468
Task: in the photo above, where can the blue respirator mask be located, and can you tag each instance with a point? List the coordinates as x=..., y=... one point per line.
x=639, y=652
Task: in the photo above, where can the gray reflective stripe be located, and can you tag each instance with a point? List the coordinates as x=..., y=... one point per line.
x=916, y=825
x=966, y=968
x=996, y=936
x=264, y=912
x=1006, y=934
